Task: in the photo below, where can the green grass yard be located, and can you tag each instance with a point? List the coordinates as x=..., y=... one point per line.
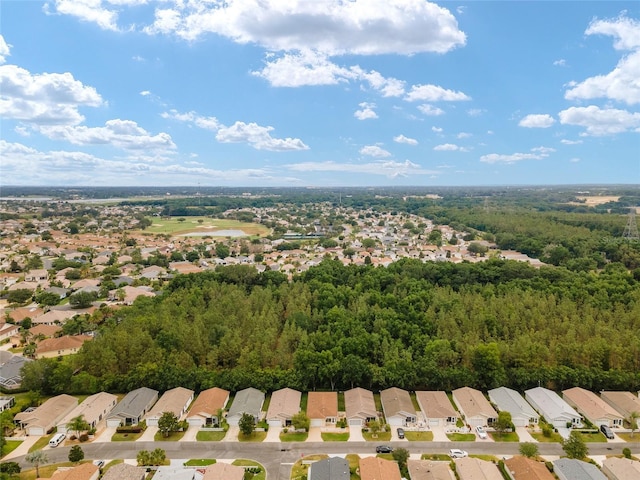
x=173, y=226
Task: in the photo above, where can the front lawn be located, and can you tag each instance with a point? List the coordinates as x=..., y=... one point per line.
x=199, y=462
x=9, y=447
x=504, y=437
x=242, y=462
x=254, y=437
x=461, y=437
x=41, y=443
x=554, y=437
x=628, y=438
x=208, y=436
x=354, y=464
x=596, y=437
x=334, y=437
x=419, y=436
x=300, y=470
x=379, y=437
x=294, y=436
x=172, y=437
x=440, y=457
x=126, y=437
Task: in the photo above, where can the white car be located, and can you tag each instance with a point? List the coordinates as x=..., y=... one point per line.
x=455, y=453
x=481, y=432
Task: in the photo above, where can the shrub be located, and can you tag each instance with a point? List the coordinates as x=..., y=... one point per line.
x=84, y=437
x=626, y=452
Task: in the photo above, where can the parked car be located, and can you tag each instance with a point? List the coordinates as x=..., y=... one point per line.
x=481, y=432
x=98, y=463
x=607, y=431
x=384, y=449
x=455, y=453
x=401, y=433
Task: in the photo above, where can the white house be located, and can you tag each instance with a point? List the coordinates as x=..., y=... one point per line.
x=508, y=400
x=554, y=409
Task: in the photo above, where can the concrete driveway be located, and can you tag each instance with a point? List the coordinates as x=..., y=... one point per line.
x=315, y=434
x=524, y=435
x=439, y=434
x=105, y=435
x=273, y=434
x=190, y=434
x=232, y=434
x=355, y=434
x=148, y=435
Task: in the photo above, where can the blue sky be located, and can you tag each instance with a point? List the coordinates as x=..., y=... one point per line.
x=319, y=92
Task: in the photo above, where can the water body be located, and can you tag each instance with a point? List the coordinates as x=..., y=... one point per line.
x=217, y=233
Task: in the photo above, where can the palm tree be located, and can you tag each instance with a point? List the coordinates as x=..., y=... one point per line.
x=633, y=421
x=78, y=424
x=37, y=458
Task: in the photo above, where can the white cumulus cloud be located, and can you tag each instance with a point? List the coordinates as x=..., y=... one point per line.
x=537, y=121
x=449, y=147
x=374, y=151
x=565, y=141
x=402, y=139
x=537, y=153
x=430, y=110
x=258, y=137
x=388, y=168
x=206, y=123
x=5, y=49
x=434, y=93
x=366, y=111
x=600, y=121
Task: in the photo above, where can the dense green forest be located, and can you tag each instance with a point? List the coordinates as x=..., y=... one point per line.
x=414, y=325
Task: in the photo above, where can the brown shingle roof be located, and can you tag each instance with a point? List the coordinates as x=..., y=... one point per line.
x=322, y=404
x=209, y=402
x=61, y=343
x=523, y=468
x=376, y=468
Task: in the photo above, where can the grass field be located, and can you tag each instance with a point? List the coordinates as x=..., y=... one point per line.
x=461, y=437
x=254, y=437
x=555, y=437
x=241, y=462
x=504, y=437
x=126, y=437
x=300, y=469
x=419, y=436
x=10, y=446
x=202, y=225
x=173, y=437
x=200, y=462
x=379, y=437
x=593, y=437
x=294, y=437
x=206, y=436
x=334, y=437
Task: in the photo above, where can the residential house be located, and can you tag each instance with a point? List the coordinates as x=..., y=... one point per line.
x=206, y=407
x=124, y=471
x=176, y=401
x=223, y=471
x=6, y=403
x=17, y=315
x=592, y=407
x=46, y=331
x=132, y=407
x=60, y=346
x=249, y=401
x=41, y=420
x=10, y=370
x=616, y=468
x=38, y=276
x=554, y=409
x=376, y=468
x=175, y=472
x=322, y=408
x=93, y=409
x=469, y=468
x=84, y=471
x=360, y=406
x=429, y=470
x=8, y=330
x=523, y=468
x=284, y=404
x=475, y=408
x=508, y=400
x=53, y=317
x=623, y=402
x=572, y=469
x=129, y=294
x=333, y=468
x=437, y=408
x=397, y=407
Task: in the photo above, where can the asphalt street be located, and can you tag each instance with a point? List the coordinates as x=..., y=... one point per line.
x=278, y=458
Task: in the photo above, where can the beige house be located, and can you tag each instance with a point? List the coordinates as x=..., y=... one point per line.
x=176, y=400
x=592, y=407
x=85, y=471
x=124, y=471
x=397, y=407
x=476, y=409
x=53, y=317
x=284, y=404
x=360, y=406
x=376, y=468
x=623, y=402
x=437, y=408
x=43, y=419
x=205, y=408
x=322, y=408
x=621, y=468
x=60, y=346
x=429, y=470
x=8, y=330
x=223, y=471
x=469, y=468
x=93, y=409
x=523, y=468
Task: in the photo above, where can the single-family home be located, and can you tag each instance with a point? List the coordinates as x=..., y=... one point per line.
x=284, y=404
x=85, y=471
x=376, y=468
x=333, y=468
x=8, y=330
x=207, y=406
x=429, y=470
x=624, y=402
x=508, y=400
x=249, y=401
x=92, y=409
x=360, y=406
x=554, y=409
x=475, y=408
x=572, y=469
x=17, y=315
x=44, y=331
x=53, y=317
x=469, y=468
x=124, y=471
x=523, y=468
x=322, y=408
x=38, y=276
x=436, y=408
x=10, y=370
x=175, y=472
x=60, y=346
x=397, y=407
x=41, y=420
x=132, y=407
x=616, y=468
x=223, y=471
x=176, y=401
x=6, y=403
x=592, y=407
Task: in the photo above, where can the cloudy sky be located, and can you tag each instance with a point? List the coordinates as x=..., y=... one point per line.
x=319, y=92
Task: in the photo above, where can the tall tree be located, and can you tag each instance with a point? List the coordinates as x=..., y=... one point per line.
x=529, y=449
x=76, y=454
x=574, y=446
x=633, y=421
x=37, y=458
x=503, y=422
x=168, y=423
x=78, y=424
x=246, y=424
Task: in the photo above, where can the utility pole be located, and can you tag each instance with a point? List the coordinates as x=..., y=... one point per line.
x=631, y=230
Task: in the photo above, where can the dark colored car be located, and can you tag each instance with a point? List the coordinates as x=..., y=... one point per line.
x=384, y=449
x=607, y=432
x=400, y=433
